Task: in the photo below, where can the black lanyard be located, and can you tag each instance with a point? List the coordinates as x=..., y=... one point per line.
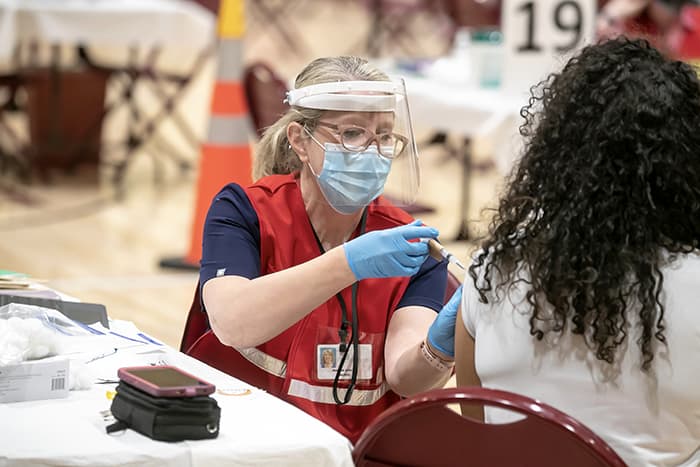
x=343, y=330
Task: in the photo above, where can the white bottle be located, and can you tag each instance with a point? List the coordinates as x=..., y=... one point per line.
x=456, y=67
x=461, y=55
x=461, y=45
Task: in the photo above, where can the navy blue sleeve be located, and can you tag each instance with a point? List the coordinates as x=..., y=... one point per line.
x=427, y=287
x=231, y=239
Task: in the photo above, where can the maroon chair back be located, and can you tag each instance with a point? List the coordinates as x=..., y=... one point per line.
x=196, y=323
x=453, y=283
x=265, y=92
x=423, y=431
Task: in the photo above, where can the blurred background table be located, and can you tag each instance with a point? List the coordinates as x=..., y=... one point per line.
x=99, y=23
x=487, y=117
x=69, y=65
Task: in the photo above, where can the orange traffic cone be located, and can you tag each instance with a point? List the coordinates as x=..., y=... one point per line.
x=226, y=155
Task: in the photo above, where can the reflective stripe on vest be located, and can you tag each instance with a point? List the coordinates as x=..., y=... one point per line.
x=324, y=394
x=264, y=361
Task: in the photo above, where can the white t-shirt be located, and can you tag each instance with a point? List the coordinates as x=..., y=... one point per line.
x=650, y=419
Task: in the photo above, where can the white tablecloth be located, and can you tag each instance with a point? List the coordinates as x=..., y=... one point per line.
x=255, y=429
x=105, y=23
x=489, y=117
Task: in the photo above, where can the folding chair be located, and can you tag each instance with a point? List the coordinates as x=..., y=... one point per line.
x=392, y=21
x=167, y=88
x=65, y=109
x=13, y=158
x=142, y=129
x=424, y=431
x=16, y=149
x=265, y=92
x=276, y=14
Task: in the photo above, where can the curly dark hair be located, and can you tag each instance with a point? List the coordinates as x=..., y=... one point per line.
x=608, y=179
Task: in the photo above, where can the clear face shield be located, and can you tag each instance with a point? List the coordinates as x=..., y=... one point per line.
x=367, y=139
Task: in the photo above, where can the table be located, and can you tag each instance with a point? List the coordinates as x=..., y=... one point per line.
x=105, y=23
x=256, y=428
x=149, y=50
x=487, y=115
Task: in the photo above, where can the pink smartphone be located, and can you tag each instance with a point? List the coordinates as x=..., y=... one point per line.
x=165, y=381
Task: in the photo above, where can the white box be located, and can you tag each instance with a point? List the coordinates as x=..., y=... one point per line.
x=34, y=379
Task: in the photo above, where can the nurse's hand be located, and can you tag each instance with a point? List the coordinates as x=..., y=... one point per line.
x=389, y=253
x=441, y=335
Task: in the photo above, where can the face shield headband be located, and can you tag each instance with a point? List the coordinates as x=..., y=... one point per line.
x=357, y=96
x=372, y=96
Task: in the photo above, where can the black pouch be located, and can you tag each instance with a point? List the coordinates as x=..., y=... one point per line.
x=164, y=418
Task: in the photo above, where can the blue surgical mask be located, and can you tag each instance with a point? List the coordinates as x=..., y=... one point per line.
x=351, y=180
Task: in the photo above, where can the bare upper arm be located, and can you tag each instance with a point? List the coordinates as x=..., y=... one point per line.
x=407, y=327
x=217, y=293
x=465, y=365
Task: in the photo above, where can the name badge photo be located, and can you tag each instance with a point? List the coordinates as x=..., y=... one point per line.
x=329, y=356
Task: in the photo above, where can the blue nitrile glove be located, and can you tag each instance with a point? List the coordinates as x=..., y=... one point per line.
x=441, y=334
x=388, y=253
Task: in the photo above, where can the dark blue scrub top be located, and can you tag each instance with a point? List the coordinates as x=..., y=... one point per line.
x=231, y=246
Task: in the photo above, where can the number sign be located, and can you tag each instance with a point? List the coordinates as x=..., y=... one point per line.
x=539, y=35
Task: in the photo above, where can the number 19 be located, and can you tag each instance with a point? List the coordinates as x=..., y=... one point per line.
x=574, y=27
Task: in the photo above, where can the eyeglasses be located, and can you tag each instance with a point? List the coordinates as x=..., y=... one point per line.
x=356, y=139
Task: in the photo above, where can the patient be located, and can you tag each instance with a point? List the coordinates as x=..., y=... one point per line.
x=585, y=293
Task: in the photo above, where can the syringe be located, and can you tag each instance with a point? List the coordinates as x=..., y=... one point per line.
x=439, y=252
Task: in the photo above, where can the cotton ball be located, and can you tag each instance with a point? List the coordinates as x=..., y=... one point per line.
x=80, y=376
x=36, y=348
x=11, y=353
x=15, y=322
x=27, y=339
x=14, y=341
x=41, y=340
x=18, y=341
x=49, y=339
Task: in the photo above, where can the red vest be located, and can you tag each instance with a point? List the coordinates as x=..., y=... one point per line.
x=287, y=364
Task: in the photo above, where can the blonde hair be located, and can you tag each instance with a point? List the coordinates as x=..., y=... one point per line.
x=327, y=353
x=274, y=154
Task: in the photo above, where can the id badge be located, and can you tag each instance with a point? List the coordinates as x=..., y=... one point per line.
x=329, y=356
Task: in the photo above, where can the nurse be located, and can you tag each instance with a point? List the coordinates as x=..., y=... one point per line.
x=311, y=257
